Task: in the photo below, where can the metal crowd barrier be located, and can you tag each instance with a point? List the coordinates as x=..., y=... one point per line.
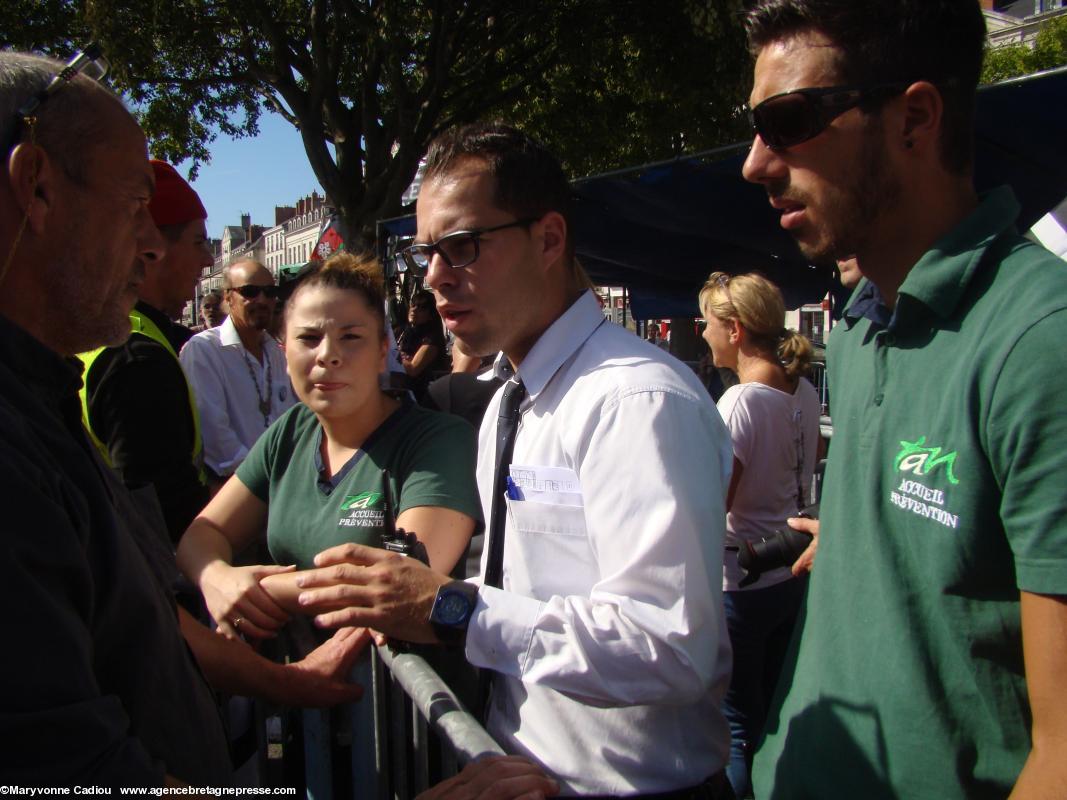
x=409, y=731
x=818, y=380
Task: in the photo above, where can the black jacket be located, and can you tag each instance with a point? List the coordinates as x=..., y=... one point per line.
x=139, y=407
x=97, y=686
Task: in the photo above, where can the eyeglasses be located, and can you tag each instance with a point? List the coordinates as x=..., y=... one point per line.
x=250, y=291
x=458, y=249
x=89, y=62
x=790, y=118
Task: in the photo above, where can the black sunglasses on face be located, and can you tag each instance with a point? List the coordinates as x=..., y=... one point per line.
x=790, y=118
x=251, y=291
x=458, y=249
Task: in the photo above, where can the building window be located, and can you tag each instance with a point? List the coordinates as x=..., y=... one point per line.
x=812, y=322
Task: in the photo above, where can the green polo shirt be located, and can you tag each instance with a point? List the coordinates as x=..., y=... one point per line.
x=430, y=457
x=945, y=496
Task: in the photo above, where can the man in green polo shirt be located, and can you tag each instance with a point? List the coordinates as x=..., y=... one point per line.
x=931, y=657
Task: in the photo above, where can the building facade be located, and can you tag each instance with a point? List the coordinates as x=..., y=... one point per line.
x=1011, y=22
x=282, y=248
x=303, y=230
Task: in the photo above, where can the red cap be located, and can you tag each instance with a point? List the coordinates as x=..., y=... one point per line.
x=174, y=201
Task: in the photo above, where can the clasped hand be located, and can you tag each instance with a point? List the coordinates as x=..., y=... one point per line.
x=374, y=588
x=237, y=602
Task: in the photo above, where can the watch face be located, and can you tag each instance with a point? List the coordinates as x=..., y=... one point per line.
x=453, y=608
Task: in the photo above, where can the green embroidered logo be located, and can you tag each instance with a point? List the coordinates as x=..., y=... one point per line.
x=921, y=460
x=361, y=500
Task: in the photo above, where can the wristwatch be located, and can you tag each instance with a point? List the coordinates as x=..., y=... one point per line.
x=452, y=609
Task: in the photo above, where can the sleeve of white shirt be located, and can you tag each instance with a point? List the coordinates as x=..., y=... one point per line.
x=654, y=470
x=223, y=451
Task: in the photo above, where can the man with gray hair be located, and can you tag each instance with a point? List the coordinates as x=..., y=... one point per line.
x=98, y=686
x=237, y=370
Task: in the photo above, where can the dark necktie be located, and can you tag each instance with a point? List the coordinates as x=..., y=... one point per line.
x=506, y=425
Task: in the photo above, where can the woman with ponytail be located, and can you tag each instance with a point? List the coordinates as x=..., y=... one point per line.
x=773, y=418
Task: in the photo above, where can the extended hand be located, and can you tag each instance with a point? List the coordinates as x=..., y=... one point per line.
x=806, y=560
x=373, y=588
x=495, y=778
x=321, y=680
x=237, y=602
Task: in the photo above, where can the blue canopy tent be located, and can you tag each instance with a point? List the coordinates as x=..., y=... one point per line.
x=659, y=229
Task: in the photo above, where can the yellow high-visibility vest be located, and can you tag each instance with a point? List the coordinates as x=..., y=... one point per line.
x=139, y=323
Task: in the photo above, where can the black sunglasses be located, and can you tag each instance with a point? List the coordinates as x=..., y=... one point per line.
x=458, y=249
x=790, y=118
x=251, y=291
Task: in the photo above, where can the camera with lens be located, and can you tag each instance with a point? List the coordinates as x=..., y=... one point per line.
x=780, y=549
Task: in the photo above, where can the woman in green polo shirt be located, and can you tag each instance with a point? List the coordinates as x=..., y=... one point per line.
x=314, y=478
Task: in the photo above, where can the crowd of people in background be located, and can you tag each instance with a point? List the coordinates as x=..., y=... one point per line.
x=589, y=525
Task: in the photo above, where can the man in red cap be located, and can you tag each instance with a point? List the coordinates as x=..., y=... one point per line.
x=136, y=400
x=141, y=413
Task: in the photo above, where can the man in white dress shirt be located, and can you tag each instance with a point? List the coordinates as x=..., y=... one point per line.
x=606, y=638
x=237, y=370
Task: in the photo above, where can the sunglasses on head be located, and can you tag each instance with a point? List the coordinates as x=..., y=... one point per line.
x=89, y=62
x=724, y=284
x=251, y=291
x=790, y=118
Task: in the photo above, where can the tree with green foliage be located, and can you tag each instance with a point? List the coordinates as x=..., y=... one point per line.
x=666, y=79
x=368, y=83
x=1010, y=61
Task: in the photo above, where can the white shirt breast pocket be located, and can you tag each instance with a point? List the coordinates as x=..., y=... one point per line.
x=536, y=516
x=548, y=549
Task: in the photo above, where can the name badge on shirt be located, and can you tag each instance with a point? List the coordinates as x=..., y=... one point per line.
x=550, y=485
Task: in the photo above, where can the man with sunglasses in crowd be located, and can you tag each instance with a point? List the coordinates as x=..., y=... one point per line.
x=237, y=370
x=931, y=659
x=598, y=620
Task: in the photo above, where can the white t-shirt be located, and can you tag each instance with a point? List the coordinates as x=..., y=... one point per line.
x=774, y=435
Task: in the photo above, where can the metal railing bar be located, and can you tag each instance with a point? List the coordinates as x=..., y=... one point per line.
x=440, y=706
x=398, y=743
x=420, y=744
x=379, y=683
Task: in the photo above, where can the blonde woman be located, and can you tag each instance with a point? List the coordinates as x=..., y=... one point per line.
x=773, y=418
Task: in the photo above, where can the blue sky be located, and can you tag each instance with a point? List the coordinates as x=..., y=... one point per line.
x=253, y=175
